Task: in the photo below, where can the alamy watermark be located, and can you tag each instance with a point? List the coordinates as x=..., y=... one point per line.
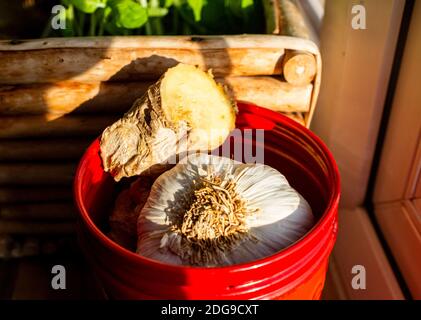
x=359, y=281
x=58, y=281
x=58, y=20
x=359, y=18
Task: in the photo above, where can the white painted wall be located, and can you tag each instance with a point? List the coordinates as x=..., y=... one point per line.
x=356, y=70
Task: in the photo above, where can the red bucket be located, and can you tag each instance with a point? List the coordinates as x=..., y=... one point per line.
x=297, y=272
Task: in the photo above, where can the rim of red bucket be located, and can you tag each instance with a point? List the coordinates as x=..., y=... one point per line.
x=313, y=232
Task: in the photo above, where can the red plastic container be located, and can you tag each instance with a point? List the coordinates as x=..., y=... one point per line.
x=297, y=272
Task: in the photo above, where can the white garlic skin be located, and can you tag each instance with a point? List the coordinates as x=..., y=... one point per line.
x=284, y=215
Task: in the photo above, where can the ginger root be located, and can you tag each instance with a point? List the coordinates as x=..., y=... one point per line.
x=185, y=110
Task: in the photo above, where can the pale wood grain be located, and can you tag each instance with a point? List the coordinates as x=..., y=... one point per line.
x=133, y=58
x=117, y=97
x=272, y=93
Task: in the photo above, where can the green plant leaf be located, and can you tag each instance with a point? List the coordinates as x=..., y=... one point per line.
x=167, y=3
x=129, y=14
x=197, y=6
x=247, y=7
x=106, y=14
x=69, y=31
x=112, y=29
x=157, y=12
x=246, y=4
x=178, y=3
x=240, y=8
x=88, y=6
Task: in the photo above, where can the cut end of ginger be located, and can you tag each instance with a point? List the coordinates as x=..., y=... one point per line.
x=191, y=95
x=185, y=110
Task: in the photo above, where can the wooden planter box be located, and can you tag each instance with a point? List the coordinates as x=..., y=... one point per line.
x=57, y=94
x=105, y=75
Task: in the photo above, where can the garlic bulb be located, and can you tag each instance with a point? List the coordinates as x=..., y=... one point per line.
x=214, y=211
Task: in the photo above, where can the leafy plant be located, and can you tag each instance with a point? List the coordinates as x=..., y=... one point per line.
x=156, y=17
x=129, y=14
x=196, y=6
x=88, y=6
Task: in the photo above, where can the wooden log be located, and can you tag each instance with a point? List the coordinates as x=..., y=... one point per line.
x=292, y=21
x=32, y=174
x=45, y=149
x=134, y=58
x=299, y=67
x=271, y=93
x=65, y=97
x=117, y=97
x=35, y=194
x=43, y=126
x=38, y=212
x=35, y=228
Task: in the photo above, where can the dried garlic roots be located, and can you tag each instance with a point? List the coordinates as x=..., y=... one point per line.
x=185, y=110
x=214, y=211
